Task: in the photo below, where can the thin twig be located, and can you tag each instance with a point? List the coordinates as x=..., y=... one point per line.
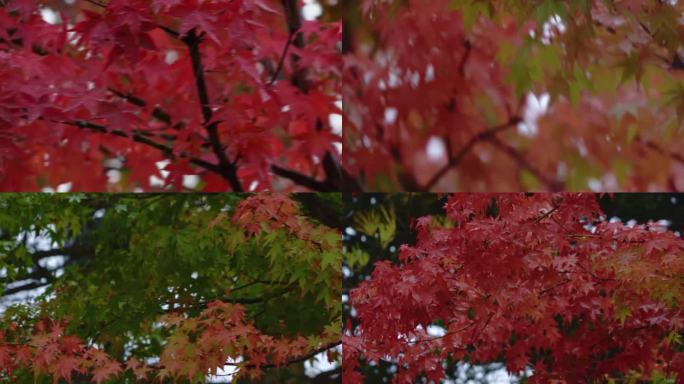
x=228, y=168
x=281, y=62
x=456, y=158
x=137, y=137
x=551, y=185
x=295, y=360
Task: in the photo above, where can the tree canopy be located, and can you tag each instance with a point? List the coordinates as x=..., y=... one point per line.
x=475, y=95
x=166, y=288
x=552, y=286
x=243, y=94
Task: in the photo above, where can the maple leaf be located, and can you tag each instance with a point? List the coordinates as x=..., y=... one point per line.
x=106, y=371
x=165, y=5
x=658, y=244
x=197, y=16
x=5, y=355
x=66, y=366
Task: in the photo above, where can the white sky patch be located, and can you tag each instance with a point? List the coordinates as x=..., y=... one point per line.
x=594, y=184
x=435, y=330
x=320, y=364
x=312, y=10
x=225, y=375
x=497, y=376
x=535, y=107
x=161, y=165
x=156, y=181
x=191, y=181
x=435, y=149
x=52, y=262
x=391, y=114
x=552, y=28
x=113, y=176
x=36, y=242
x=116, y=163
x=429, y=73
x=394, y=79
x=582, y=147
x=49, y=16
x=664, y=223
x=335, y=120
x=171, y=56
x=63, y=188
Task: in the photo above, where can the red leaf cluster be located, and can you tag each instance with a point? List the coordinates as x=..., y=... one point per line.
x=539, y=281
x=200, y=345
x=206, y=85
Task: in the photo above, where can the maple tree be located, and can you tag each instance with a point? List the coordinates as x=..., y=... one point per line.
x=238, y=92
x=544, y=283
x=492, y=95
x=167, y=288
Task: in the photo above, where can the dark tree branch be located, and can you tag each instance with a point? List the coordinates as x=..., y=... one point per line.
x=464, y=60
x=328, y=377
x=455, y=159
x=228, y=168
x=281, y=62
x=293, y=18
x=303, y=180
x=140, y=138
x=157, y=112
x=300, y=179
x=337, y=179
x=25, y=287
x=550, y=184
x=295, y=360
x=657, y=148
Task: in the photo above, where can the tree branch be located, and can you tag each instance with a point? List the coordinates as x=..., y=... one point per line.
x=455, y=159
x=551, y=184
x=157, y=112
x=281, y=62
x=337, y=179
x=303, y=180
x=657, y=148
x=295, y=360
x=139, y=138
x=228, y=168
x=160, y=114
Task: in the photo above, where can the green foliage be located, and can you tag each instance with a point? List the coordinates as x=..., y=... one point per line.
x=132, y=258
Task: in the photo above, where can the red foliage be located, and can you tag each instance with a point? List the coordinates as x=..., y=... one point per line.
x=198, y=345
x=537, y=281
x=488, y=95
x=208, y=85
